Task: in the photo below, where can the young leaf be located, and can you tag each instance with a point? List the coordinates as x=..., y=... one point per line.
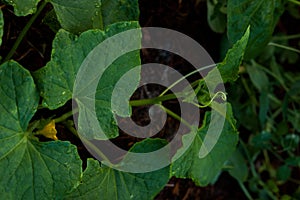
x=57, y=78
x=203, y=170
x=229, y=67
x=23, y=7
x=107, y=183
x=30, y=169
x=262, y=16
x=81, y=15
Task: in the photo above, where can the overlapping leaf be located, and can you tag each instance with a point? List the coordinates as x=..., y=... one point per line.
x=81, y=15
x=203, y=170
x=57, y=78
x=229, y=67
x=100, y=181
x=262, y=16
x=30, y=169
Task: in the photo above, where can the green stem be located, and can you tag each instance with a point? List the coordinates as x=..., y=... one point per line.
x=24, y=32
x=246, y=192
x=284, y=47
x=266, y=188
x=175, y=116
x=250, y=160
x=276, y=113
x=105, y=160
x=295, y=2
x=87, y=142
x=286, y=37
x=184, y=77
x=249, y=91
x=275, y=76
x=156, y=100
x=33, y=126
x=65, y=116
x=268, y=164
x=71, y=129
x=275, y=100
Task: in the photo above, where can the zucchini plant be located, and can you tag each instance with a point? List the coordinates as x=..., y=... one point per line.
x=32, y=168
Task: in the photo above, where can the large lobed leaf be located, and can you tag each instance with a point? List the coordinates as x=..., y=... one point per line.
x=203, y=170
x=81, y=15
x=56, y=79
x=107, y=183
x=262, y=16
x=30, y=169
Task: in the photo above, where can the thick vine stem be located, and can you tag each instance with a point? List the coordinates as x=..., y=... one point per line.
x=65, y=116
x=156, y=100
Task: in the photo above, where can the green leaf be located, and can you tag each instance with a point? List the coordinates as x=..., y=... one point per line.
x=260, y=80
x=101, y=181
x=30, y=169
x=293, y=161
x=51, y=21
x=239, y=168
x=283, y=173
x=263, y=108
x=216, y=15
x=203, y=170
x=19, y=97
x=262, y=16
x=1, y=26
x=258, y=77
x=23, y=7
x=57, y=78
x=81, y=15
x=262, y=140
x=229, y=67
